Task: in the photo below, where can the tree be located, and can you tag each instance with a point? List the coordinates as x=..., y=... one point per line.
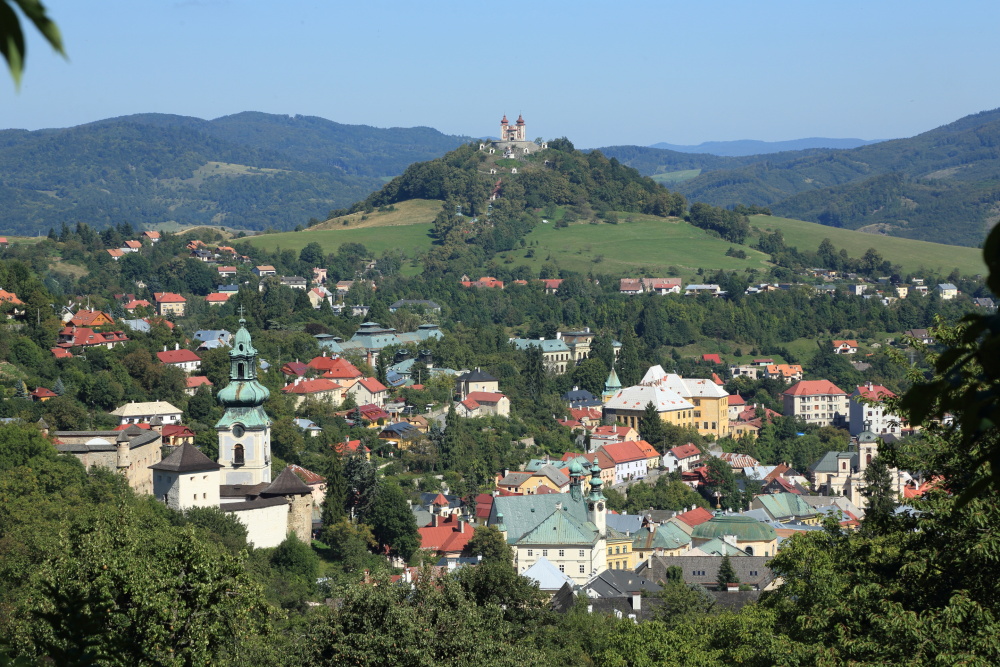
x=489, y=543
x=651, y=426
x=881, y=506
x=727, y=574
x=722, y=481
x=59, y=387
x=393, y=524
x=12, y=44
x=629, y=371
x=335, y=500
x=362, y=486
x=312, y=254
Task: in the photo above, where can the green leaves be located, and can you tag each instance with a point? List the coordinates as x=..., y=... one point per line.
x=12, y=44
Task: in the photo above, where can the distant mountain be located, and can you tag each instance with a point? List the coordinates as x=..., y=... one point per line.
x=942, y=185
x=249, y=170
x=744, y=147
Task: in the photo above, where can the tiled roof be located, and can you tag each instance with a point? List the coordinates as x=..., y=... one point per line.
x=685, y=451
x=218, y=297
x=624, y=452
x=814, y=388
x=873, y=391
x=448, y=536
x=177, y=356
x=695, y=517
x=736, y=399
x=197, y=381
x=487, y=397
x=310, y=386
x=372, y=385
x=307, y=476
x=168, y=297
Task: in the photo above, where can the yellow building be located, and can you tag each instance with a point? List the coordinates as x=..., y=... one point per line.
x=692, y=403
x=621, y=555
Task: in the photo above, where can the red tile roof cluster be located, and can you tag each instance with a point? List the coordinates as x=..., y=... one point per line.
x=136, y=303
x=335, y=367
x=682, y=452
x=85, y=336
x=218, y=297
x=175, y=431
x=61, y=353
x=695, y=517
x=712, y=358
x=620, y=432
x=349, y=446
x=10, y=297
x=624, y=452
x=739, y=460
x=588, y=414
x=197, y=381
x=372, y=385
x=814, y=388
x=875, y=392
x=450, y=536
x=302, y=387
x=168, y=297
x=485, y=397
x=485, y=281
x=180, y=356
x=484, y=505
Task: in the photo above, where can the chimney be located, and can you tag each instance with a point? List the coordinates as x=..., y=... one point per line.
x=434, y=520
x=636, y=600
x=461, y=526
x=559, y=505
x=164, y=348
x=177, y=346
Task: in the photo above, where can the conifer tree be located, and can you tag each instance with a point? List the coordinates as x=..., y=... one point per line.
x=22, y=390
x=727, y=574
x=59, y=388
x=628, y=360
x=335, y=500
x=651, y=425
x=881, y=500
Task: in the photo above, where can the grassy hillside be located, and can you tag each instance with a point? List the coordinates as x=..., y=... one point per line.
x=912, y=255
x=648, y=245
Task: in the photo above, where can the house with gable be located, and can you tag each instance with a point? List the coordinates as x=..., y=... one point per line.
x=816, y=402
x=629, y=459
x=867, y=413
x=185, y=360
x=682, y=458
x=369, y=391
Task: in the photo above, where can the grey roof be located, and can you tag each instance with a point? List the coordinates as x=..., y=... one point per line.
x=557, y=476
x=422, y=516
x=205, y=335
x=546, y=575
x=255, y=504
x=142, y=438
x=751, y=570
x=402, y=303
x=186, y=458
x=828, y=462
x=564, y=599
x=137, y=325
x=286, y=484
x=241, y=490
x=515, y=478
x=619, y=583
x=625, y=523
x=550, y=345
x=476, y=375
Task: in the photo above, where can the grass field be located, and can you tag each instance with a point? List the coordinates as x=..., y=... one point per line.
x=911, y=255
x=669, y=178
x=647, y=246
x=414, y=211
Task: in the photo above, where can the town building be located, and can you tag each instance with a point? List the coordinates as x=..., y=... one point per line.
x=129, y=452
x=319, y=389
x=872, y=416
x=816, y=402
x=185, y=360
x=556, y=355
x=136, y=413
x=169, y=304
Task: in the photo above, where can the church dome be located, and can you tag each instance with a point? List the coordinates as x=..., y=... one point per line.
x=504, y=121
x=243, y=394
x=520, y=120
x=745, y=528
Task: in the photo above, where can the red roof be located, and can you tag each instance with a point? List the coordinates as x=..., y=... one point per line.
x=310, y=386
x=685, y=451
x=372, y=385
x=842, y=343
x=611, y=430
x=580, y=414
x=484, y=504
x=335, y=367
x=713, y=358
x=717, y=380
x=624, y=452
x=175, y=431
x=373, y=412
x=569, y=423
x=226, y=269
x=168, y=297
x=470, y=404
x=61, y=353
x=646, y=448
x=440, y=501
x=873, y=391
x=197, y=381
x=814, y=388
x=350, y=446
x=448, y=537
x=296, y=368
x=695, y=517
x=736, y=399
x=42, y=392
x=122, y=427
x=135, y=245
x=115, y=252
x=85, y=336
x=177, y=356
x=151, y=234
x=218, y=297
x=488, y=397
x=10, y=297
x=136, y=303
x=307, y=476
x=552, y=283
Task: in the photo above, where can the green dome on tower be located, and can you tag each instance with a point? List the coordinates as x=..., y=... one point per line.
x=745, y=528
x=244, y=395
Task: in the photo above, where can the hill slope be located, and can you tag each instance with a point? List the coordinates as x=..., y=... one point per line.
x=249, y=170
x=941, y=185
x=744, y=147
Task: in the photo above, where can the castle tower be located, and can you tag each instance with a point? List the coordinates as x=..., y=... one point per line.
x=611, y=386
x=520, y=128
x=299, y=495
x=187, y=478
x=245, y=429
x=596, y=511
x=576, y=473
x=504, y=129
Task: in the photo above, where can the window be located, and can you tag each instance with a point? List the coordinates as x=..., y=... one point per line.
x=562, y=568
x=562, y=553
x=625, y=549
x=238, y=455
x=753, y=573
x=609, y=551
x=582, y=569
x=531, y=552
x=617, y=550
x=581, y=553
x=545, y=553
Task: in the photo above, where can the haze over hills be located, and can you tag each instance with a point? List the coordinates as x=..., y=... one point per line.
x=249, y=170
x=742, y=147
x=942, y=185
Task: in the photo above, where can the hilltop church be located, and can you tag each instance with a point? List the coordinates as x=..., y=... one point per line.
x=513, y=140
x=240, y=481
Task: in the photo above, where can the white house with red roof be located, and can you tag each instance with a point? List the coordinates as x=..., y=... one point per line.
x=845, y=347
x=611, y=433
x=629, y=459
x=226, y=271
x=186, y=360
x=737, y=404
x=86, y=337
x=446, y=536
x=369, y=391
x=682, y=458
x=483, y=403
x=816, y=402
x=872, y=417
x=152, y=236
x=317, y=295
x=195, y=382
x=319, y=389
x=169, y=303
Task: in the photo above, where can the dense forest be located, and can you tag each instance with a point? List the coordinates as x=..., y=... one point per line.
x=250, y=170
x=937, y=186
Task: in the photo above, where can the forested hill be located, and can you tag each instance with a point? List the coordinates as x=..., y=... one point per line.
x=942, y=185
x=249, y=170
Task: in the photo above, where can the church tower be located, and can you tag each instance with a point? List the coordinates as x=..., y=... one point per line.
x=596, y=510
x=245, y=429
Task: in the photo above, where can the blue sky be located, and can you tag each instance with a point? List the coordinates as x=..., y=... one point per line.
x=599, y=73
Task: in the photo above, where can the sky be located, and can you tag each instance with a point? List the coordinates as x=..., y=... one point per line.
x=599, y=73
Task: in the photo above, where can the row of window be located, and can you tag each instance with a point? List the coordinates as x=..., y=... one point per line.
x=562, y=553
x=624, y=550
x=562, y=568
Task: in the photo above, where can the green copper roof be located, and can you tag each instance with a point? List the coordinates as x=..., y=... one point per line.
x=244, y=394
x=561, y=527
x=251, y=418
x=612, y=382
x=745, y=528
x=784, y=506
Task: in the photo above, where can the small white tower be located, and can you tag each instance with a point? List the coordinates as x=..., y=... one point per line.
x=596, y=502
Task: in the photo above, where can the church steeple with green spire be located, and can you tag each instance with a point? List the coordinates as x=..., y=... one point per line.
x=245, y=429
x=611, y=385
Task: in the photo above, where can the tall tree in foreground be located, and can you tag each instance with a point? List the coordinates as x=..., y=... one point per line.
x=651, y=426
